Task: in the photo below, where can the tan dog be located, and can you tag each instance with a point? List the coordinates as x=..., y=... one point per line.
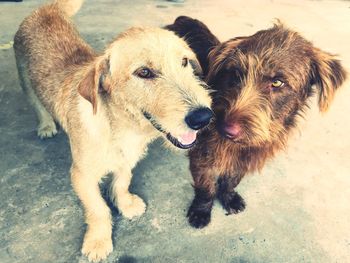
x=111, y=106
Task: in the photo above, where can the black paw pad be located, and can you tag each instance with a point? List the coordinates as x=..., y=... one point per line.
x=198, y=218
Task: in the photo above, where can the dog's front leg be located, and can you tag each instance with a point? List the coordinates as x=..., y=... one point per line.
x=231, y=201
x=130, y=205
x=199, y=213
x=97, y=242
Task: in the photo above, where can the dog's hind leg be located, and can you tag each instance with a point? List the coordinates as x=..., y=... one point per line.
x=97, y=242
x=130, y=205
x=47, y=126
x=231, y=201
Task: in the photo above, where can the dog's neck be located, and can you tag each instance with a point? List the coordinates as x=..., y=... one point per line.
x=119, y=109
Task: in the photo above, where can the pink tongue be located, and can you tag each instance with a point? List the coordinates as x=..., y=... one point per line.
x=188, y=137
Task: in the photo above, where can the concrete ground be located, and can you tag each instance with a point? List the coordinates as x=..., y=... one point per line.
x=298, y=207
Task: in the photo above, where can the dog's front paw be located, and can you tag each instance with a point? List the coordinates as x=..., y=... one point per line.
x=198, y=218
x=97, y=248
x=233, y=203
x=132, y=206
x=47, y=130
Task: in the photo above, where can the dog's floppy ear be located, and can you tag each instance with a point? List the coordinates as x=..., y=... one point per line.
x=96, y=80
x=328, y=75
x=198, y=37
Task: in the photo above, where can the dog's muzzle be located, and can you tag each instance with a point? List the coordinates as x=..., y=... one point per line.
x=171, y=138
x=198, y=118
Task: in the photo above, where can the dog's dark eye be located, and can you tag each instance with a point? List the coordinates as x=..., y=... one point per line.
x=184, y=62
x=145, y=73
x=235, y=77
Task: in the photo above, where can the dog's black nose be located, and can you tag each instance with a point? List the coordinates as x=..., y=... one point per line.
x=198, y=118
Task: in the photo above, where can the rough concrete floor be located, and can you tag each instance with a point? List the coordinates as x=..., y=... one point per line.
x=298, y=207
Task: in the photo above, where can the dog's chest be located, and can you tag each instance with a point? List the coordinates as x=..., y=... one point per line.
x=118, y=144
x=128, y=147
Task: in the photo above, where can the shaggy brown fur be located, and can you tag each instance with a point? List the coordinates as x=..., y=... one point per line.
x=262, y=83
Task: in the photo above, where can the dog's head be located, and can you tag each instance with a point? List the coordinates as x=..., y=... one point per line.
x=262, y=83
x=156, y=77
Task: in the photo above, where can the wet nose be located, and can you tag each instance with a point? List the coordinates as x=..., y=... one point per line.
x=198, y=118
x=232, y=130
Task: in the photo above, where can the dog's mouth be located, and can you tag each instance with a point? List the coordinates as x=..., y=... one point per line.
x=186, y=141
x=229, y=136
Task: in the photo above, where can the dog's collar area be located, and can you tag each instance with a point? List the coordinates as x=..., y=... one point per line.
x=171, y=138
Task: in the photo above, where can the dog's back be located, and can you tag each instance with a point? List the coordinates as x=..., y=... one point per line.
x=46, y=44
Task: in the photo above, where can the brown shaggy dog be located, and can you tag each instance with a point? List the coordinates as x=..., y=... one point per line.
x=262, y=84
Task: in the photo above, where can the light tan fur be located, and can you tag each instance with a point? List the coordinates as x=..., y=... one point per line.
x=69, y=7
x=99, y=101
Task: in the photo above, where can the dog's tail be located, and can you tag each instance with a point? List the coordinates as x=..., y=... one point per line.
x=69, y=7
